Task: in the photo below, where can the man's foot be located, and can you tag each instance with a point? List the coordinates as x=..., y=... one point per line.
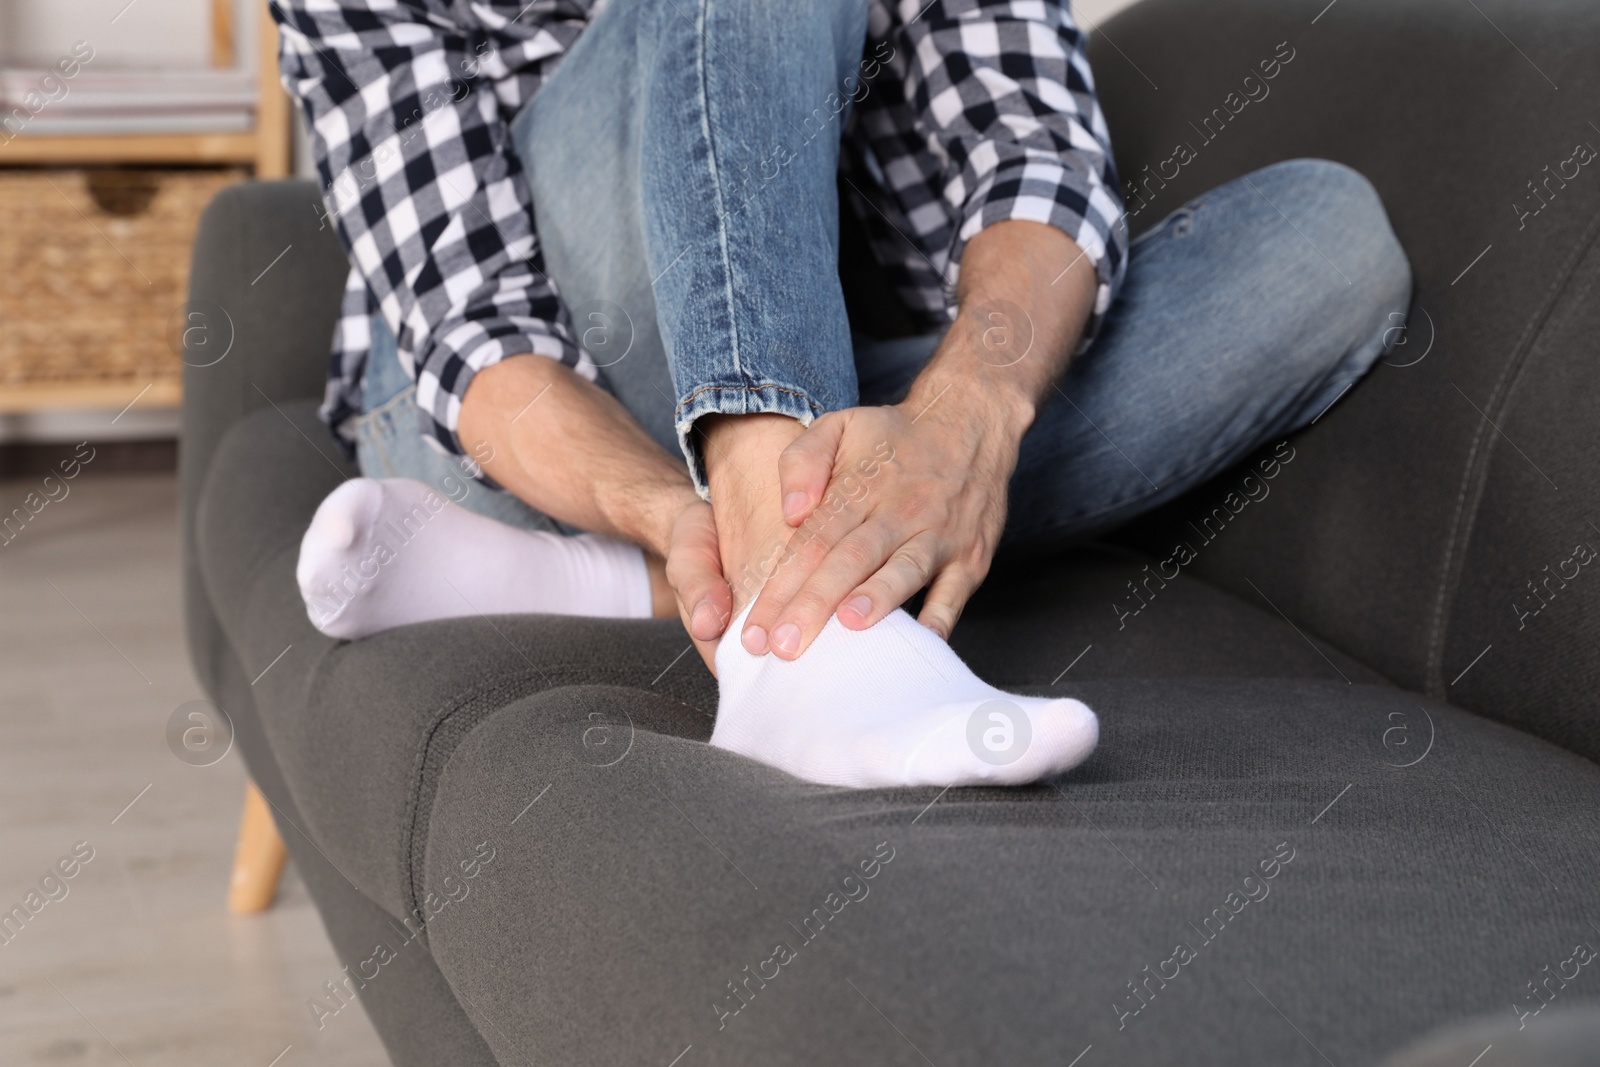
x=892, y=705
x=887, y=706
x=381, y=554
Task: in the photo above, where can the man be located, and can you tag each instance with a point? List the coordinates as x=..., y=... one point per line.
x=595, y=253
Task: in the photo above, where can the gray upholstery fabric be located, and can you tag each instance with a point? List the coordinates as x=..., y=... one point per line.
x=275, y=334
x=412, y=1008
x=1442, y=861
x=274, y=328
x=362, y=728
x=356, y=725
x=1408, y=524
x=407, y=750
x=1541, y=629
x=1009, y=923
x=1034, y=619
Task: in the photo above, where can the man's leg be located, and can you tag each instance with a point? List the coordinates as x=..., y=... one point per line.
x=659, y=165
x=1244, y=316
x=682, y=167
x=682, y=162
x=711, y=213
x=417, y=539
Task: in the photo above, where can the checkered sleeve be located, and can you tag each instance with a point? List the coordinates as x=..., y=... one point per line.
x=1002, y=91
x=352, y=341
x=408, y=104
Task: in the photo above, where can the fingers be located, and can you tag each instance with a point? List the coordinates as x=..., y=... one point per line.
x=827, y=525
x=907, y=570
x=806, y=467
x=874, y=557
x=694, y=569
x=946, y=598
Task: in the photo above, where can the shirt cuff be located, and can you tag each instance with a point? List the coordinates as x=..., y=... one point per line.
x=1042, y=189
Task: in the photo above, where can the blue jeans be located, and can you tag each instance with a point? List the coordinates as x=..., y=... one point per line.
x=1244, y=314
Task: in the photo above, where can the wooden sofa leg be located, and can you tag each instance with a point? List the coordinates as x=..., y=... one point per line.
x=258, y=859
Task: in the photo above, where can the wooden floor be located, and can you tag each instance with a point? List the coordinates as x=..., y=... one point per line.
x=140, y=962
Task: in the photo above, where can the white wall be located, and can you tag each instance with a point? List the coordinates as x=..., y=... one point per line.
x=1092, y=13
x=177, y=32
x=145, y=33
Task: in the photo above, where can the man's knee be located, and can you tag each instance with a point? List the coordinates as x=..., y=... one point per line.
x=1345, y=227
x=1339, y=255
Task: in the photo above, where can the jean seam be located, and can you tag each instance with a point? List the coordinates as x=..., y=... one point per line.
x=1182, y=213
x=696, y=462
x=387, y=407
x=702, y=11
x=802, y=394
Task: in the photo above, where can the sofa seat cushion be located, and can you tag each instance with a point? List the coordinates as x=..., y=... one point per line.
x=361, y=729
x=1265, y=871
x=1107, y=613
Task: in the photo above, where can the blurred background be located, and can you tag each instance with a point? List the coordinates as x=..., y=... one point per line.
x=119, y=120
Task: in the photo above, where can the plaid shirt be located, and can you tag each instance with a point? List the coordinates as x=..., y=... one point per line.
x=966, y=113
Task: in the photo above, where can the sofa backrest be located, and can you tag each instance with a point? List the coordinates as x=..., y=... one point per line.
x=1442, y=523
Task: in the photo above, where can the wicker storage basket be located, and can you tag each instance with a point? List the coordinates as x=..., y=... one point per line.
x=93, y=264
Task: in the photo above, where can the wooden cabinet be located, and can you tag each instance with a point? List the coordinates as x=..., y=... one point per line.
x=94, y=257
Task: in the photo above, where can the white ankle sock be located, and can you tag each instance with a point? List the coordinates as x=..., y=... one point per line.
x=381, y=554
x=892, y=705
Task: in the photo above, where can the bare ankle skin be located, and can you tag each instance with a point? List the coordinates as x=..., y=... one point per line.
x=741, y=457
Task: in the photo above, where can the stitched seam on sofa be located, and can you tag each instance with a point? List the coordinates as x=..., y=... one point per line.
x=491, y=699
x=1475, y=472
x=520, y=684
x=430, y=762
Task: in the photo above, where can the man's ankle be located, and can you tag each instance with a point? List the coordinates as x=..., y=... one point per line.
x=741, y=451
x=741, y=457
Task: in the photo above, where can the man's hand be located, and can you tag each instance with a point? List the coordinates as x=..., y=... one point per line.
x=894, y=499
x=888, y=500
x=694, y=570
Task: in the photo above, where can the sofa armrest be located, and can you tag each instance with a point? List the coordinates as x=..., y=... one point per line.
x=265, y=283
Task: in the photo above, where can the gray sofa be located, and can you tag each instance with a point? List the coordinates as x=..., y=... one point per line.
x=1346, y=792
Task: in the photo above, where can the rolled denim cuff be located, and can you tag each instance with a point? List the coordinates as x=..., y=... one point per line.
x=767, y=398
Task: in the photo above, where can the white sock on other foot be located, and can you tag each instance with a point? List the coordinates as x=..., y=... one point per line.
x=892, y=705
x=386, y=553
